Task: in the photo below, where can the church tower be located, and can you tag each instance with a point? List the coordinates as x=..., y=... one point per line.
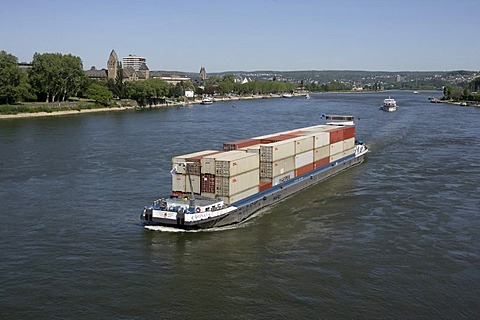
x=203, y=75
x=112, y=66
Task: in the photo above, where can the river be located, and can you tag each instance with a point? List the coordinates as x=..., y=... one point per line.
x=396, y=237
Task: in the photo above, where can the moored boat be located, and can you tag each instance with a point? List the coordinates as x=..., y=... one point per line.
x=214, y=188
x=207, y=100
x=389, y=105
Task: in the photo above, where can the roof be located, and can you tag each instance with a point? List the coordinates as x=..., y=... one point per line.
x=98, y=74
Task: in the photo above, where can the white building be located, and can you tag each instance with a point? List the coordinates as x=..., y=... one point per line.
x=134, y=61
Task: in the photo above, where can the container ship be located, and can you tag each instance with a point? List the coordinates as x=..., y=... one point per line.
x=215, y=188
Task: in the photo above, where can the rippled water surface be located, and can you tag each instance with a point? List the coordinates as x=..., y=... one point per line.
x=397, y=237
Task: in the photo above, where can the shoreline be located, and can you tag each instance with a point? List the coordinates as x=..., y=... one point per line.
x=113, y=109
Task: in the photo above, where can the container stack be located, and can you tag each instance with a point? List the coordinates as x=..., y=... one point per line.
x=246, y=167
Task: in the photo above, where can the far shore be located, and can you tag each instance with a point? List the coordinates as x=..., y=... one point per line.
x=171, y=104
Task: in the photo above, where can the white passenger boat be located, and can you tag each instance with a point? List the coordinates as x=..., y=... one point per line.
x=218, y=188
x=389, y=105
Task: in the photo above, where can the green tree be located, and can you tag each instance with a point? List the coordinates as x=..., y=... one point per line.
x=13, y=85
x=100, y=94
x=55, y=76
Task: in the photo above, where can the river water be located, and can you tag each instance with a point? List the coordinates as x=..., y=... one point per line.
x=397, y=237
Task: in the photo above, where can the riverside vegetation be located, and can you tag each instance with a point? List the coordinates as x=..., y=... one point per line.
x=57, y=82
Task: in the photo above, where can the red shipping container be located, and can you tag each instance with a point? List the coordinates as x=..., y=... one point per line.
x=320, y=163
x=207, y=183
x=303, y=170
x=336, y=135
x=348, y=132
x=280, y=137
x=234, y=145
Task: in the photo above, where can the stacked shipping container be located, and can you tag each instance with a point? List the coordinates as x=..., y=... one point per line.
x=248, y=166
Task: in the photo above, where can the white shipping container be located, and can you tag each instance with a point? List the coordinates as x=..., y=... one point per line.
x=227, y=186
x=277, y=150
x=283, y=177
x=232, y=164
x=321, y=139
x=276, y=168
x=303, y=159
x=182, y=158
x=321, y=153
x=239, y=196
x=303, y=143
x=349, y=143
x=336, y=147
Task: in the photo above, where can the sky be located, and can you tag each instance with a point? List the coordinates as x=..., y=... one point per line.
x=247, y=35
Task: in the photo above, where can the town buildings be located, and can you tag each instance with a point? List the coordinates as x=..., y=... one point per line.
x=134, y=68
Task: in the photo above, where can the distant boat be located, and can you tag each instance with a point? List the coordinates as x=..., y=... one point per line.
x=287, y=95
x=389, y=105
x=415, y=92
x=308, y=96
x=207, y=101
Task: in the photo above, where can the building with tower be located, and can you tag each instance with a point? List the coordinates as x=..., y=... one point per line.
x=113, y=65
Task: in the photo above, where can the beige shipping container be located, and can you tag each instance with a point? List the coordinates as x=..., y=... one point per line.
x=180, y=183
x=317, y=128
x=276, y=168
x=348, y=143
x=182, y=158
x=336, y=157
x=321, y=153
x=252, y=149
x=239, y=196
x=232, y=164
x=336, y=147
x=303, y=143
x=349, y=152
x=227, y=186
x=208, y=162
x=277, y=150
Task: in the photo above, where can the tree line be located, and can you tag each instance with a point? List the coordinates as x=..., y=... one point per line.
x=55, y=77
x=469, y=91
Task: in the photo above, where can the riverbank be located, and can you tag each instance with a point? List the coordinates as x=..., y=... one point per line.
x=123, y=108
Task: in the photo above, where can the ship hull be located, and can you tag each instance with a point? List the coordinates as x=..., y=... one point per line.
x=245, y=208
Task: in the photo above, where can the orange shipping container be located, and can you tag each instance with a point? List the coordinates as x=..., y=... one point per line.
x=264, y=185
x=321, y=163
x=303, y=170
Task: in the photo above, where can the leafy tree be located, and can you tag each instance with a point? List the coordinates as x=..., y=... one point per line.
x=99, y=93
x=13, y=85
x=55, y=76
x=177, y=90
